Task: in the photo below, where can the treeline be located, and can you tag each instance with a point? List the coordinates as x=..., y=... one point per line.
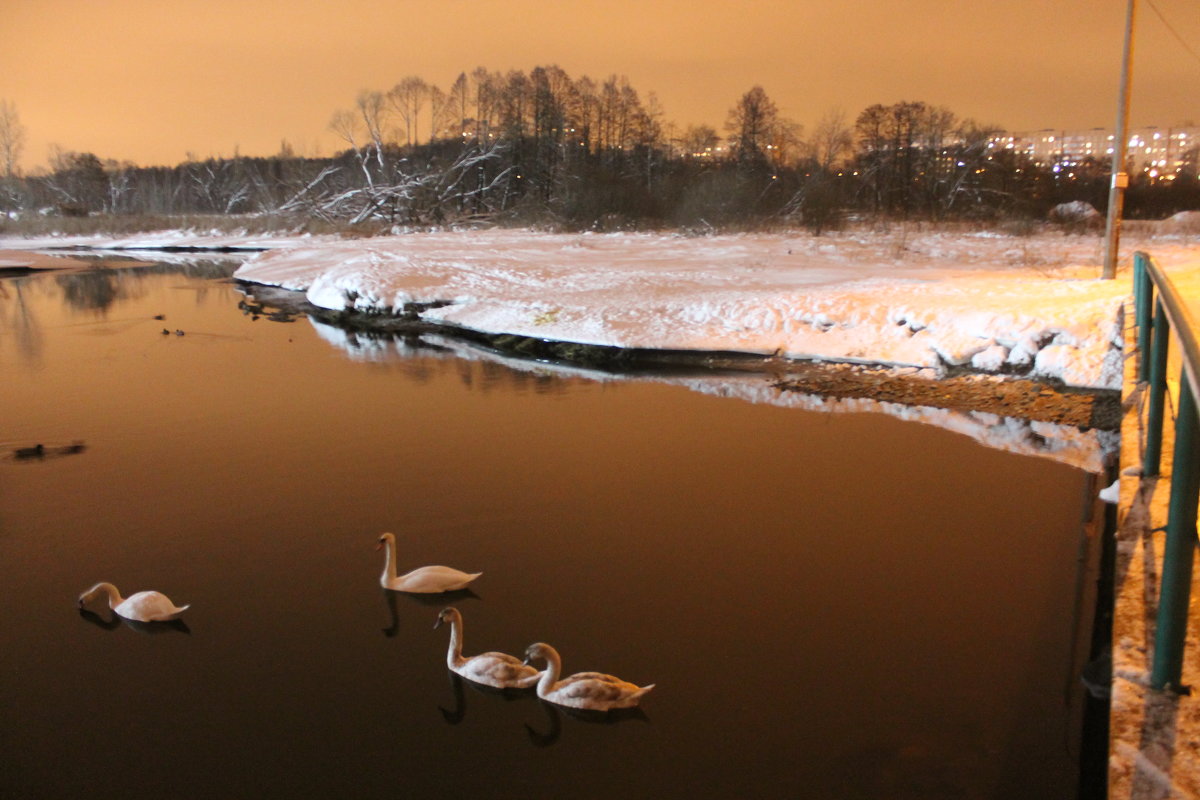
x=544, y=148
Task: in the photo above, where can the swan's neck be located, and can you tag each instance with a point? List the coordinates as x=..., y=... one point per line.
x=389, y=564
x=454, y=655
x=550, y=676
x=114, y=597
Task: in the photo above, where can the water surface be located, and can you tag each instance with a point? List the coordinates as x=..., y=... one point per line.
x=830, y=605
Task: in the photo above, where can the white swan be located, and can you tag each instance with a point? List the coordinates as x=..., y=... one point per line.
x=589, y=690
x=422, y=580
x=498, y=670
x=139, y=607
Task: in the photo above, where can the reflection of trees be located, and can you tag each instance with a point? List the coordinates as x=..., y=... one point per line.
x=97, y=289
x=22, y=322
x=93, y=290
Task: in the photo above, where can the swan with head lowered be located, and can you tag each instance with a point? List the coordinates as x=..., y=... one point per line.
x=593, y=691
x=140, y=607
x=422, y=580
x=498, y=670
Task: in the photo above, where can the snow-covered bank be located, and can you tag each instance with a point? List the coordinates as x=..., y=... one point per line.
x=1032, y=304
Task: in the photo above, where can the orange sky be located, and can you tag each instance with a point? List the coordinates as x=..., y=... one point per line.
x=153, y=80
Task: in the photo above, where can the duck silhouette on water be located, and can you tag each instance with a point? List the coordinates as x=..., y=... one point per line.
x=41, y=451
x=37, y=451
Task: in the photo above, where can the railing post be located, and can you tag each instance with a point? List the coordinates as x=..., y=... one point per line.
x=1157, y=388
x=1143, y=294
x=1179, y=547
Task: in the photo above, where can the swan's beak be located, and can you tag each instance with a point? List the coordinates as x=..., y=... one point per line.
x=379, y=546
x=437, y=624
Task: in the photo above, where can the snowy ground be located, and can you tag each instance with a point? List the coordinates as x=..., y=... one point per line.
x=902, y=298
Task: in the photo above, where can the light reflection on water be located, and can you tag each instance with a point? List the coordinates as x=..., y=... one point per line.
x=830, y=605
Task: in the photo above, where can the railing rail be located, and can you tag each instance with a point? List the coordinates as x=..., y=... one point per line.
x=1154, y=337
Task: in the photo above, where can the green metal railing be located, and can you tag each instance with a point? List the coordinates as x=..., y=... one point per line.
x=1154, y=336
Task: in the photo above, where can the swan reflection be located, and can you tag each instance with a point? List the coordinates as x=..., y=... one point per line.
x=393, y=600
x=440, y=599
x=554, y=720
x=390, y=597
x=554, y=728
x=458, y=712
x=455, y=715
x=391, y=630
x=115, y=621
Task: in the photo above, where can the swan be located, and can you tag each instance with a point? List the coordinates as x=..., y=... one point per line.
x=595, y=691
x=498, y=670
x=422, y=580
x=139, y=607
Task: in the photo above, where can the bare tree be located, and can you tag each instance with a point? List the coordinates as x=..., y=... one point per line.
x=441, y=113
x=407, y=98
x=488, y=88
x=12, y=137
x=372, y=108
x=832, y=140
x=700, y=141
x=78, y=182
x=751, y=124
x=349, y=127
x=458, y=103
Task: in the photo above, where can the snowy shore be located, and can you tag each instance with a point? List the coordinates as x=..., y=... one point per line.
x=1027, y=305
x=1030, y=305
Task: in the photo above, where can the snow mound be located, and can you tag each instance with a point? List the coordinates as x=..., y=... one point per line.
x=1181, y=224
x=1076, y=211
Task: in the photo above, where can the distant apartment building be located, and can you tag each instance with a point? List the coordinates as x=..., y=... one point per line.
x=1160, y=152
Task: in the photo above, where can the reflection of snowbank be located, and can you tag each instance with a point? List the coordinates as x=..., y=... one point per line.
x=923, y=300
x=1078, y=448
x=360, y=347
x=1086, y=450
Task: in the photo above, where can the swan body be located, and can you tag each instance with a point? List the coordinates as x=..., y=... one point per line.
x=595, y=691
x=498, y=670
x=140, y=607
x=422, y=580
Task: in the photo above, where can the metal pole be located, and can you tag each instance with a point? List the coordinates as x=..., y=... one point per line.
x=1116, y=192
x=1157, y=388
x=1143, y=299
x=1171, y=629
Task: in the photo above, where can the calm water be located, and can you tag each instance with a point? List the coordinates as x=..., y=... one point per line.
x=831, y=605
